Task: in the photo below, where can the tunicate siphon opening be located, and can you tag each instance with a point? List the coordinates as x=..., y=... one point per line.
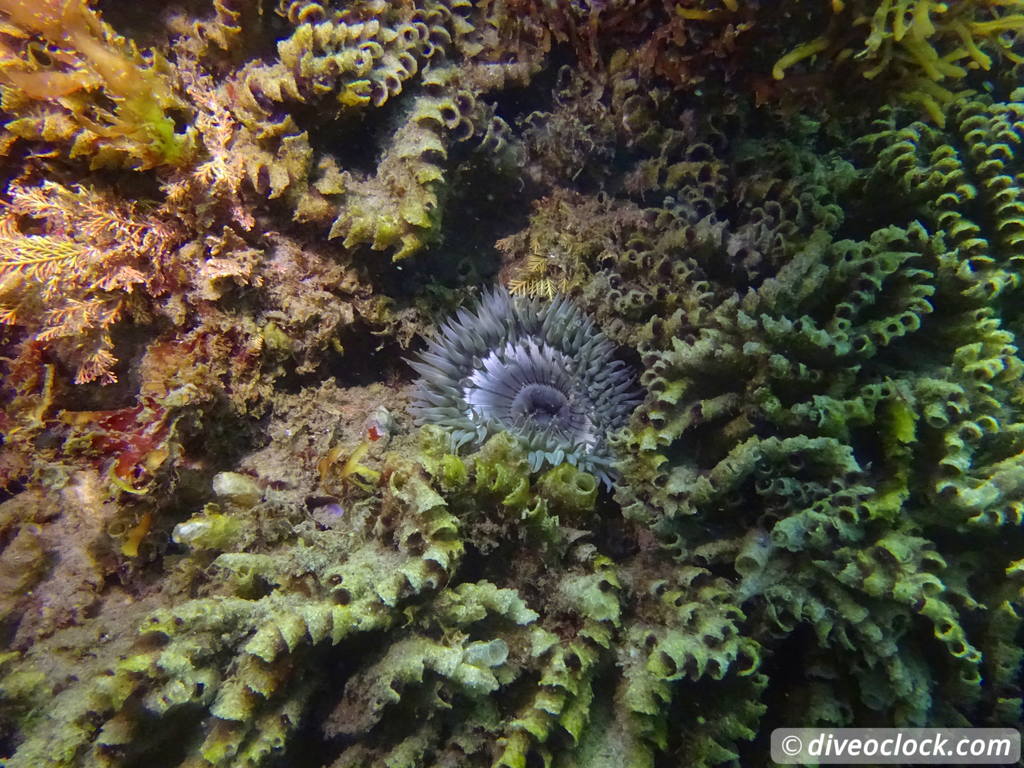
x=715, y=669
x=393, y=83
x=378, y=94
x=440, y=37
x=433, y=88
x=449, y=114
x=664, y=664
x=421, y=28
x=700, y=153
x=408, y=35
x=690, y=668
x=464, y=102
x=408, y=62
x=463, y=130
x=415, y=543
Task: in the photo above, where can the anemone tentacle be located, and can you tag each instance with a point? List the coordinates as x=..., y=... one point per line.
x=540, y=370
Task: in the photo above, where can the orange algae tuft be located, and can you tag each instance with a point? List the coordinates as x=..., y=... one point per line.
x=134, y=537
x=97, y=58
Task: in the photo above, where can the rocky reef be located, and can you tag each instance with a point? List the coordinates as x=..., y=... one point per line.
x=227, y=224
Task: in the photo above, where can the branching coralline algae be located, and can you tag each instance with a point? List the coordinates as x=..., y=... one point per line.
x=540, y=370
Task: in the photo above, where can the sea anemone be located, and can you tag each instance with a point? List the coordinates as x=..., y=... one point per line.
x=537, y=369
